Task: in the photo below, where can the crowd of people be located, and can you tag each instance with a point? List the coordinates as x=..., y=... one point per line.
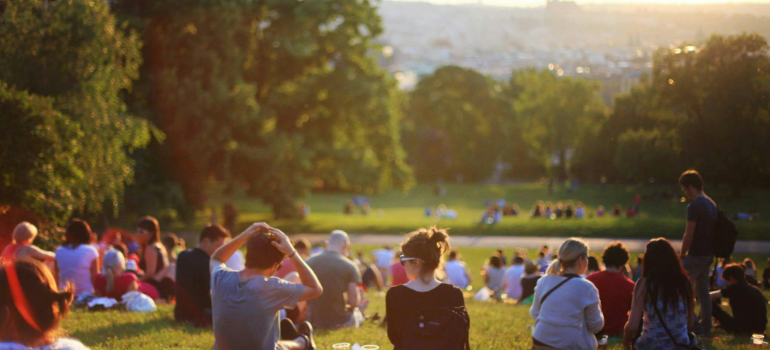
x=280, y=291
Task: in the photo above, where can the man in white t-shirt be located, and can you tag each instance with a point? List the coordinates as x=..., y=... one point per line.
x=513, y=278
x=383, y=258
x=456, y=271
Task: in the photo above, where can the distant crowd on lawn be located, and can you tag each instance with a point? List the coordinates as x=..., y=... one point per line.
x=280, y=291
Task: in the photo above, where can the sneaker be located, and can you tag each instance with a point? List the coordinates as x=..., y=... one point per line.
x=306, y=329
x=288, y=330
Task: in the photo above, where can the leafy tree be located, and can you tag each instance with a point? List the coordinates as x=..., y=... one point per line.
x=642, y=155
x=556, y=114
x=73, y=61
x=458, y=124
x=718, y=95
x=276, y=96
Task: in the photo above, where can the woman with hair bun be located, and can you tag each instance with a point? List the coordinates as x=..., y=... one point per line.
x=566, y=307
x=31, y=308
x=422, y=254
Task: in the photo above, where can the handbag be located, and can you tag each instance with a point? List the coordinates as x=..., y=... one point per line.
x=694, y=343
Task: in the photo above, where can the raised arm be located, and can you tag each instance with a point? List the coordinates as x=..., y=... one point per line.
x=224, y=252
x=308, y=278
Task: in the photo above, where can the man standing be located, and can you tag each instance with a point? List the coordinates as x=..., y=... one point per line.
x=616, y=291
x=246, y=303
x=697, y=251
x=193, y=280
x=340, y=279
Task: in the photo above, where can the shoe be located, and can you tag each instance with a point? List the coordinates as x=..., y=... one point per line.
x=288, y=330
x=306, y=329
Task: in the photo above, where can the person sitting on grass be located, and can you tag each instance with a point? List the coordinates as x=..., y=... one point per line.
x=457, y=272
x=529, y=282
x=593, y=265
x=77, y=261
x=636, y=271
x=23, y=236
x=747, y=302
x=513, y=278
x=170, y=241
x=566, y=307
x=115, y=282
x=154, y=258
x=32, y=308
x=303, y=249
x=664, y=296
x=494, y=276
x=340, y=279
x=422, y=253
x=615, y=290
x=397, y=272
x=246, y=304
x=193, y=279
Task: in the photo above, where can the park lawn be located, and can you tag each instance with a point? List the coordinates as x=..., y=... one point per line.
x=401, y=212
x=493, y=325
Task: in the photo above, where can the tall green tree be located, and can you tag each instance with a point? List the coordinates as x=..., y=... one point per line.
x=556, y=115
x=276, y=96
x=718, y=94
x=74, y=62
x=458, y=124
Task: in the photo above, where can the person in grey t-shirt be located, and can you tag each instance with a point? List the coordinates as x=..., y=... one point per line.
x=246, y=303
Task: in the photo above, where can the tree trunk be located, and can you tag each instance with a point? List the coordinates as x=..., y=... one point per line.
x=563, y=171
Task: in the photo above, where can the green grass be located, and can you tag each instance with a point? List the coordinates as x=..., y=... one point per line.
x=397, y=212
x=493, y=325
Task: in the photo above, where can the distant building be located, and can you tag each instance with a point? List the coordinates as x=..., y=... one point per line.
x=562, y=6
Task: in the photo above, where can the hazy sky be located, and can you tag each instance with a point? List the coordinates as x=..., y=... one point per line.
x=532, y=3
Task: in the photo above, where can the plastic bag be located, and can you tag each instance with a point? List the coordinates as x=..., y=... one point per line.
x=482, y=294
x=138, y=302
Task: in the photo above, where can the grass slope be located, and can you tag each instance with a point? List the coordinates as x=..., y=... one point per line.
x=493, y=325
x=396, y=212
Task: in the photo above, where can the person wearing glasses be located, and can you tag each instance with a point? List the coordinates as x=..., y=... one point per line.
x=422, y=253
x=153, y=257
x=340, y=279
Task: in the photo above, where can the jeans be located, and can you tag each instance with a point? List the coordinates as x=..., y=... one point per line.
x=698, y=268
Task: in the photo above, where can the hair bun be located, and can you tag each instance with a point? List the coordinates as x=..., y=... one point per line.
x=438, y=235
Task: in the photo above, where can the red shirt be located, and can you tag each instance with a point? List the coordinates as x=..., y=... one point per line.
x=122, y=283
x=399, y=274
x=615, y=293
x=9, y=251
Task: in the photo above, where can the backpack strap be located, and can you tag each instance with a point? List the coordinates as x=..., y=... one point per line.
x=663, y=323
x=555, y=288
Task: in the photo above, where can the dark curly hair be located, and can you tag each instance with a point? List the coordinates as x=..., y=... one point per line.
x=615, y=255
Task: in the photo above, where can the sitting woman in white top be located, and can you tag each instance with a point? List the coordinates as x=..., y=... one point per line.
x=77, y=261
x=31, y=308
x=566, y=307
x=456, y=271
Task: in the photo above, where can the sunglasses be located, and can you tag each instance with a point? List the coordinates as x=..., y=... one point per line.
x=404, y=259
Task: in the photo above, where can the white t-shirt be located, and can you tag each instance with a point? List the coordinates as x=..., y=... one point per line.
x=455, y=272
x=236, y=262
x=60, y=344
x=75, y=266
x=513, y=281
x=383, y=257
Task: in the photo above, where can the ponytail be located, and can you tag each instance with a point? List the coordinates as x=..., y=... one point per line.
x=569, y=253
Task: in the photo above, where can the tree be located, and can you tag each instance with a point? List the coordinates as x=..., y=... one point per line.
x=718, y=95
x=458, y=124
x=276, y=96
x=643, y=155
x=74, y=62
x=556, y=114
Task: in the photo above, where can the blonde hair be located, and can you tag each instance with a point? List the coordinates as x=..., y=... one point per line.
x=569, y=253
x=24, y=232
x=114, y=265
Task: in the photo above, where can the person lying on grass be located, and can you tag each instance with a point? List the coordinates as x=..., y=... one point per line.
x=246, y=304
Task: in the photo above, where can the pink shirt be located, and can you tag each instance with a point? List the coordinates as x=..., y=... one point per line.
x=399, y=274
x=287, y=267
